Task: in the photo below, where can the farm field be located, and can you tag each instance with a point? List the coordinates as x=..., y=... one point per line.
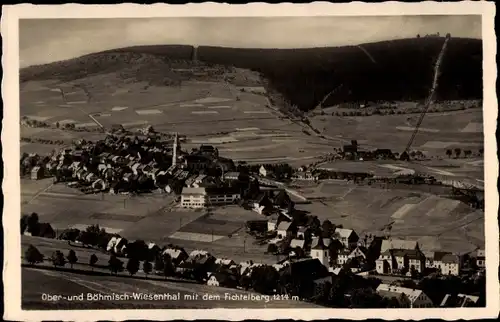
x=240, y=123
x=153, y=218
x=471, y=169
x=439, y=131
x=437, y=223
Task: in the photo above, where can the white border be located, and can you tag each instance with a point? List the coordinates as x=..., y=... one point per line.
x=10, y=142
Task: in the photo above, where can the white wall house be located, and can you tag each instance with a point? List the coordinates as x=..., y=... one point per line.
x=411, y=298
x=205, y=197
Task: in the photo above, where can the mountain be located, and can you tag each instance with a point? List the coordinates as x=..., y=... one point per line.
x=398, y=70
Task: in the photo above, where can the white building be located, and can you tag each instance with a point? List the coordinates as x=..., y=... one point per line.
x=407, y=297
x=480, y=259
x=205, y=197
x=320, y=252
x=444, y=262
x=450, y=265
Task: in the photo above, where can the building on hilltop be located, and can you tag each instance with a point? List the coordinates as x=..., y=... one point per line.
x=210, y=196
x=407, y=297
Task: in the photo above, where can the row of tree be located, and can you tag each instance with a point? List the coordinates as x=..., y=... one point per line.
x=466, y=153
x=162, y=264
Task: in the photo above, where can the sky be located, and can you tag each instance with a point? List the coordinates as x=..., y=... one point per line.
x=47, y=40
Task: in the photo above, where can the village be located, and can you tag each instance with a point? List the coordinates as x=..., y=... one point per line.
x=321, y=262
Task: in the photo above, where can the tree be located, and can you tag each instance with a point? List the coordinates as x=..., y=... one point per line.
x=328, y=228
x=321, y=292
x=159, y=264
x=449, y=153
x=365, y=298
x=467, y=153
x=481, y=151
x=72, y=259
x=458, y=151
x=58, y=259
x=93, y=260
x=24, y=223
x=33, y=224
x=137, y=250
x=115, y=265
x=92, y=235
x=147, y=267
x=168, y=266
x=33, y=255
x=272, y=248
x=133, y=266
x=265, y=279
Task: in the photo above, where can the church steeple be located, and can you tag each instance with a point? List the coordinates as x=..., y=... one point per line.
x=174, y=150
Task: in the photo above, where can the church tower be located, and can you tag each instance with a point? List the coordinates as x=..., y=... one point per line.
x=174, y=150
x=320, y=251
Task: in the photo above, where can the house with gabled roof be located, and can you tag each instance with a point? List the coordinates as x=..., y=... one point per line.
x=222, y=279
x=434, y=259
x=445, y=262
x=285, y=229
x=347, y=237
x=297, y=243
x=177, y=254
x=263, y=206
x=480, y=258
x=407, y=297
x=451, y=265
x=395, y=243
x=303, y=232
x=459, y=300
x=36, y=173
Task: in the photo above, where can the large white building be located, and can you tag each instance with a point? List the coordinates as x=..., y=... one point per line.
x=205, y=197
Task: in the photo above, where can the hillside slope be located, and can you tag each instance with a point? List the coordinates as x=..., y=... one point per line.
x=400, y=70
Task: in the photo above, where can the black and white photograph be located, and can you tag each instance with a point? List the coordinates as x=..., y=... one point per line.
x=294, y=162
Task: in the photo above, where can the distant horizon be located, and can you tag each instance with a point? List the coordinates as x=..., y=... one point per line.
x=43, y=41
x=229, y=47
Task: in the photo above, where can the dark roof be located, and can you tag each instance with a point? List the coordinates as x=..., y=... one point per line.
x=410, y=253
x=320, y=244
x=450, y=258
x=438, y=256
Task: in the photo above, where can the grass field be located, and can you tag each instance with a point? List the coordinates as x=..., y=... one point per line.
x=437, y=223
x=206, y=112
x=154, y=218
x=439, y=130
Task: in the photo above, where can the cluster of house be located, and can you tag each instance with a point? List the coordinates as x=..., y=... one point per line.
x=124, y=163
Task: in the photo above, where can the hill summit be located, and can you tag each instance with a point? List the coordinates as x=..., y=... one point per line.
x=397, y=70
